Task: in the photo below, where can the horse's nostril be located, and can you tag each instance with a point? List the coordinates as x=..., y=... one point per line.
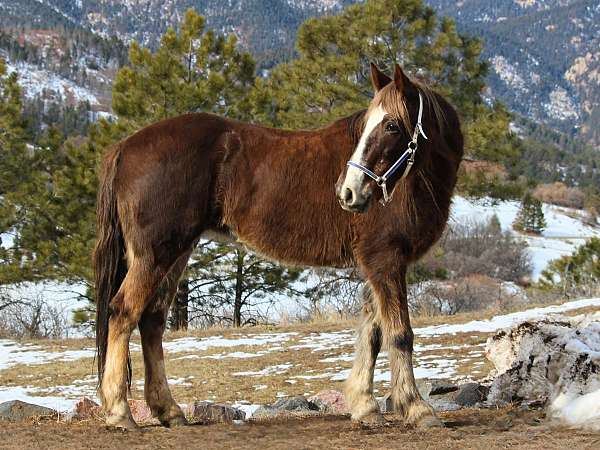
x=348, y=196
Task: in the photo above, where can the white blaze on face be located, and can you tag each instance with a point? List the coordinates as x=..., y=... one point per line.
x=354, y=177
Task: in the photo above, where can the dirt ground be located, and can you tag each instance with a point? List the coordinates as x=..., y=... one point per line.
x=466, y=429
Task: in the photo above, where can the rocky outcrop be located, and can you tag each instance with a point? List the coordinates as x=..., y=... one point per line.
x=553, y=361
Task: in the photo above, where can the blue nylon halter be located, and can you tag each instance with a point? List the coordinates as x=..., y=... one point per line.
x=408, y=155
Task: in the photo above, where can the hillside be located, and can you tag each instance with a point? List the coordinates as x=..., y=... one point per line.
x=543, y=54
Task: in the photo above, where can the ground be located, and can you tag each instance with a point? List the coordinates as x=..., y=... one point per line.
x=490, y=429
x=258, y=365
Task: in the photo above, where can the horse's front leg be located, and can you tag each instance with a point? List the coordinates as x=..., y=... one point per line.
x=389, y=290
x=359, y=386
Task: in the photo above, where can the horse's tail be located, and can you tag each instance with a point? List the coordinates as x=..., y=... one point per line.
x=109, y=255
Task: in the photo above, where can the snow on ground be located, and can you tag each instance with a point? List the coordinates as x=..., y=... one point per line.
x=194, y=344
x=58, y=403
x=434, y=357
x=578, y=411
x=13, y=353
x=563, y=234
x=505, y=320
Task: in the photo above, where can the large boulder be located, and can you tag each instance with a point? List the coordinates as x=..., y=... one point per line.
x=18, y=410
x=471, y=394
x=554, y=361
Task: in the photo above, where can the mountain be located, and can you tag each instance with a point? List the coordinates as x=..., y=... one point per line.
x=544, y=57
x=544, y=54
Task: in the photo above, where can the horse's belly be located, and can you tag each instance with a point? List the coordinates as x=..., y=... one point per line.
x=300, y=243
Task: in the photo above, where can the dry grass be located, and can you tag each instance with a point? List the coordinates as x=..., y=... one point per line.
x=202, y=377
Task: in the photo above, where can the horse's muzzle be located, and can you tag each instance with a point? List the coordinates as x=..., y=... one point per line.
x=353, y=202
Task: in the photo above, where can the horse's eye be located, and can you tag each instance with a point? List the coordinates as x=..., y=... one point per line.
x=391, y=127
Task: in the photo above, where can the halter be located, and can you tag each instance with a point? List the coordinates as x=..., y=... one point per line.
x=409, y=155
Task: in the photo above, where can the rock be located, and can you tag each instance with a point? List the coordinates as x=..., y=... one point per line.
x=442, y=388
x=266, y=412
x=141, y=411
x=330, y=401
x=18, y=410
x=298, y=403
x=443, y=403
x=385, y=403
x=424, y=387
x=545, y=360
x=214, y=412
x=470, y=394
x=86, y=409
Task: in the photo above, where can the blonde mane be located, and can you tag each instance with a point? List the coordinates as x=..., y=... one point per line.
x=394, y=103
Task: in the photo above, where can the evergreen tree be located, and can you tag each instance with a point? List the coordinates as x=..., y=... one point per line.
x=530, y=217
x=14, y=166
x=575, y=274
x=330, y=78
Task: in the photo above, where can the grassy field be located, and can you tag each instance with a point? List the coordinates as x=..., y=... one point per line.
x=253, y=365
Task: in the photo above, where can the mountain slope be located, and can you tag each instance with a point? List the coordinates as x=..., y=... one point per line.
x=544, y=57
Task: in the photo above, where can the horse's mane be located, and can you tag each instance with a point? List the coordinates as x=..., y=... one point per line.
x=394, y=102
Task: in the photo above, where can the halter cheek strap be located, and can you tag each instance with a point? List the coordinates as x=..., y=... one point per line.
x=408, y=155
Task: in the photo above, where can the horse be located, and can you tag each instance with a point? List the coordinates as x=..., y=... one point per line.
x=304, y=198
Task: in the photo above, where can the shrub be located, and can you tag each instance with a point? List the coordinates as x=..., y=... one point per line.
x=484, y=249
x=560, y=194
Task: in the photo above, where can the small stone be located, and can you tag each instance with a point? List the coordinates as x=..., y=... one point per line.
x=470, y=394
x=18, y=410
x=330, y=401
x=215, y=412
x=295, y=404
x=386, y=404
x=86, y=409
x=443, y=403
x=266, y=412
x=441, y=389
x=140, y=411
x=424, y=388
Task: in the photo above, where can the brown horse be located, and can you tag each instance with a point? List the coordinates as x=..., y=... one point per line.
x=275, y=191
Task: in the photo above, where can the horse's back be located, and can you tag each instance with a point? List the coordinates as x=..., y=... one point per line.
x=166, y=179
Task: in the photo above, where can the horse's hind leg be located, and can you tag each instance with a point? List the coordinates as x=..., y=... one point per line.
x=127, y=305
x=152, y=326
x=359, y=386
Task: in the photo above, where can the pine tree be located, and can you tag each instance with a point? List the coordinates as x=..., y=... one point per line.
x=530, y=217
x=576, y=274
x=14, y=167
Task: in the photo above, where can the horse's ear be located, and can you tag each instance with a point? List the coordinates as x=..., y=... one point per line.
x=401, y=81
x=378, y=78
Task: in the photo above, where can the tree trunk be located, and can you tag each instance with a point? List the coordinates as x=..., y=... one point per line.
x=179, y=309
x=239, y=289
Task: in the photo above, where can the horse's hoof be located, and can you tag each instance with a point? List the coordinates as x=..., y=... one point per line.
x=122, y=423
x=177, y=421
x=430, y=422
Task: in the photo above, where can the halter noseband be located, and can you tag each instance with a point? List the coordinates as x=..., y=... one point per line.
x=409, y=154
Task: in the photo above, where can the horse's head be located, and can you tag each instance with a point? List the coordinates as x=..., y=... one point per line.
x=386, y=149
